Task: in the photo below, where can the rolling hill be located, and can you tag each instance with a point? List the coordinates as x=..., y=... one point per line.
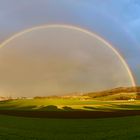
x=121, y=93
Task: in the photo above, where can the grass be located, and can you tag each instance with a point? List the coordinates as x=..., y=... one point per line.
x=19, y=128
x=90, y=105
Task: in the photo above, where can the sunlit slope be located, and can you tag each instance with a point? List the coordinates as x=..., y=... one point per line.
x=69, y=105
x=121, y=93
x=119, y=98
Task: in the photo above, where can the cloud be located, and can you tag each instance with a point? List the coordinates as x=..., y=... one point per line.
x=115, y=20
x=58, y=61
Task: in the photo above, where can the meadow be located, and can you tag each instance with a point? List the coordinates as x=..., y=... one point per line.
x=69, y=104
x=32, y=126
x=20, y=128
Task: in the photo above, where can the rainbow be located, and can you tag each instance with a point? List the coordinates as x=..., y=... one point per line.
x=6, y=42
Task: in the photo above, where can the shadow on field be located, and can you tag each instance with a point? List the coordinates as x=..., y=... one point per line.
x=55, y=108
x=130, y=107
x=49, y=108
x=52, y=111
x=91, y=108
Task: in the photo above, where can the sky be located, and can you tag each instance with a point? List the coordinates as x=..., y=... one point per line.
x=59, y=60
x=117, y=21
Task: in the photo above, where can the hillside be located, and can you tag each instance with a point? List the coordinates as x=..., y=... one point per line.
x=121, y=93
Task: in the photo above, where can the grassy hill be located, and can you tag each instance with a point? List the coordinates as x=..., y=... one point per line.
x=91, y=105
x=121, y=93
x=122, y=98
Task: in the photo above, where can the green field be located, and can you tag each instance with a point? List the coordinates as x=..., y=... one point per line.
x=72, y=104
x=19, y=128
x=26, y=128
